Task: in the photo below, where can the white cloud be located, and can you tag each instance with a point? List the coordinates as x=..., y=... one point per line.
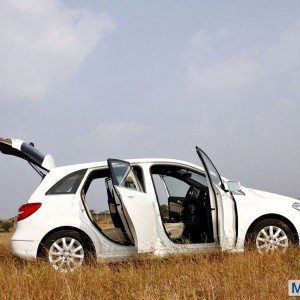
x=266, y=72
x=200, y=39
x=118, y=132
x=43, y=43
x=130, y=139
x=251, y=97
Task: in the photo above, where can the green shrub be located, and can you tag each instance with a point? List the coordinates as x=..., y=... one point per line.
x=164, y=211
x=6, y=226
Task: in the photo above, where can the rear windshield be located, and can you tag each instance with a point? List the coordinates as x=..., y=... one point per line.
x=67, y=185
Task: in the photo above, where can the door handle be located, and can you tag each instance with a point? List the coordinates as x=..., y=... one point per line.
x=130, y=197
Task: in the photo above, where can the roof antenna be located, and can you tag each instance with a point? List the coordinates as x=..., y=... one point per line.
x=31, y=144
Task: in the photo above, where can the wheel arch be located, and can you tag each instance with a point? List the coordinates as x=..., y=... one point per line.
x=277, y=217
x=87, y=240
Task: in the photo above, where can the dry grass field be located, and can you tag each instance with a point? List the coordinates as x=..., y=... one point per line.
x=199, y=276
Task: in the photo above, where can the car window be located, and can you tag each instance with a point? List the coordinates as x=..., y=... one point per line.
x=131, y=181
x=67, y=185
x=176, y=187
x=124, y=175
x=178, y=180
x=199, y=178
x=211, y=169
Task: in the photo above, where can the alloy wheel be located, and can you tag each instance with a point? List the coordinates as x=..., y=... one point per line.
x=66, y=254
x=272, y=238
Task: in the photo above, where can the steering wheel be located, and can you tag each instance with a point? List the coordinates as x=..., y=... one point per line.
x=195, y=193
x=192, y=194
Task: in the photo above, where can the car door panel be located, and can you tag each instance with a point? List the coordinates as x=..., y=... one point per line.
x=226, y=219
x=112, y=203
x=135, y=207
x=141, y=218
x=226, y=212
x=116, y=212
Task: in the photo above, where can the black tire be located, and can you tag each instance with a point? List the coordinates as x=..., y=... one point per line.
x=255, y=233
x=55, y=246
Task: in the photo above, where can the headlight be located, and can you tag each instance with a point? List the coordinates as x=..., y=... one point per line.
x=296, y=205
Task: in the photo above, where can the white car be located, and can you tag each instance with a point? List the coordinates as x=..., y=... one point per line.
x=204, y=212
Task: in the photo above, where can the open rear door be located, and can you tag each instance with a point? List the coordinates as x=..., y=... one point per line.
x=226, y=206
x=26, y=151
x=136, y=210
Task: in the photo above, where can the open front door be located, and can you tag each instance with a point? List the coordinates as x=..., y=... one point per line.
x=226, y=206
x=135, y=209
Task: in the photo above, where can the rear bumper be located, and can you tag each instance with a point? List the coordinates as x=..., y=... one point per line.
x=25, y=241
x=24, y=249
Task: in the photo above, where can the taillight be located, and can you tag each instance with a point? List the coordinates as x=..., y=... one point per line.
x=27, y=210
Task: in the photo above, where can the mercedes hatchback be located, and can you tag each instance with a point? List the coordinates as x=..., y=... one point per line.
x=156, y=206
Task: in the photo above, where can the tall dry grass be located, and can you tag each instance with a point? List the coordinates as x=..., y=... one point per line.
x=198, y=276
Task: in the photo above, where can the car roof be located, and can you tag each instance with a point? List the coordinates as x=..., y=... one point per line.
x=90, y=165
x=64, y=170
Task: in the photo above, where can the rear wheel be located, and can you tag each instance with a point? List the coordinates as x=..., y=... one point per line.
x=270, y=235
x=65, y=250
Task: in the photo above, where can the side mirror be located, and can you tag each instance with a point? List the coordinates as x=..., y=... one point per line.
x=233, y=186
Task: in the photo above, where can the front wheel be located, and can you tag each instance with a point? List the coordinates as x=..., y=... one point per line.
x=270, y=235
x=65, y=251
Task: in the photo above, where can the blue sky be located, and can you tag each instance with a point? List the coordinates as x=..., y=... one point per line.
x=87, y=80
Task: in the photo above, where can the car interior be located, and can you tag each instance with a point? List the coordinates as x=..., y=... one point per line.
x=188, y=215
x=187, y=212
x=105, y=215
